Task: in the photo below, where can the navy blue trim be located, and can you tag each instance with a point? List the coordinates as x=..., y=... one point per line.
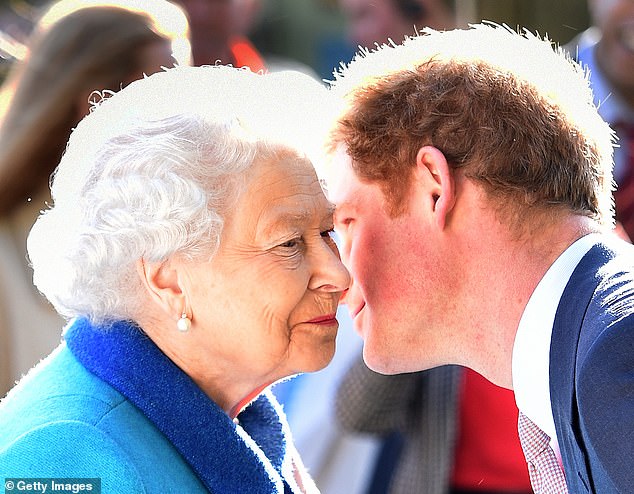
x=124, y=357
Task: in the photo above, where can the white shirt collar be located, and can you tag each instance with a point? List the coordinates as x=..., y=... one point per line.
x=531, y=349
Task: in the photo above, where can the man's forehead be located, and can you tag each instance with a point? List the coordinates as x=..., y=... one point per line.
x=341, y=178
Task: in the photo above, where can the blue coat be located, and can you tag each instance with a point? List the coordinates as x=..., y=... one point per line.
x=109, y=404
x=592, y=372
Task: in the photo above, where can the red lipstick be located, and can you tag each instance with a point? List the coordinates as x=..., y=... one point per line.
x=325, y=319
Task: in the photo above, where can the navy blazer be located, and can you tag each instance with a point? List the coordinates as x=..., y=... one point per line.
x=592, y=371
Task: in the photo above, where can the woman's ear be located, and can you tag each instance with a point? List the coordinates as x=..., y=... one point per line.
x=437, y=182
x=161, y=281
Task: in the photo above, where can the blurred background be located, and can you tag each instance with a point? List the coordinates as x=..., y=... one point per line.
x=313, y=31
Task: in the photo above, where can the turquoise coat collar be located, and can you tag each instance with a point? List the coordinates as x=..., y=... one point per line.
x=227, y=458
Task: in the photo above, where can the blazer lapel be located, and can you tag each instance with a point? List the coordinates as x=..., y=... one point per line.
x=564, y=345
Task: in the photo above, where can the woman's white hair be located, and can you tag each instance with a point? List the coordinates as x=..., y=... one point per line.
x=152, y=170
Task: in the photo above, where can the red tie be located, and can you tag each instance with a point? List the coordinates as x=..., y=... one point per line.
x=624, y=194
x=547, y=476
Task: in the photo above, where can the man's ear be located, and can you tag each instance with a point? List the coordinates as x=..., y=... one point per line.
x=161, y=281
x=438, y=183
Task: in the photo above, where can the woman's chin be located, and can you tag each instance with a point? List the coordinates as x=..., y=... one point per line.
x=318, y=359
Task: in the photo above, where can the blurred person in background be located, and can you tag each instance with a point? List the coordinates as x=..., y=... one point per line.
x=76, y=48
x=445, y=429
x=219, y=33
x=371, y=22
x=190, y=242
x=606, y=48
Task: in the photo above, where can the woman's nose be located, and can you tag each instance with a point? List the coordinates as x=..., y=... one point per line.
x=329, y=272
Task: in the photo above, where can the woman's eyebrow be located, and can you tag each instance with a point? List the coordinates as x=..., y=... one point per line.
x=281, y=218
x=278, y=218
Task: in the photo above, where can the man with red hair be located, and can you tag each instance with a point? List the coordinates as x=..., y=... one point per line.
x=471, y=174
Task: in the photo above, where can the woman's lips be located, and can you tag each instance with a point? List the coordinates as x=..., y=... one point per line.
x=326, y=319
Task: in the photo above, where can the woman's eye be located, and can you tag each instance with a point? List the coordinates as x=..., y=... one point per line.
x=290, y=244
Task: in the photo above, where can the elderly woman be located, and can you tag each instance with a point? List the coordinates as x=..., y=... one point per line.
x=189, y=241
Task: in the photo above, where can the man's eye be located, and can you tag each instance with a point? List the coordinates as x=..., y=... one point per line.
x=328, y=233
x=343, y=221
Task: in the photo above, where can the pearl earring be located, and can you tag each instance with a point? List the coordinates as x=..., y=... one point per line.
x=184, y=323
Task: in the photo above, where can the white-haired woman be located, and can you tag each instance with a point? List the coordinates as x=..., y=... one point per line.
x=189, y=241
